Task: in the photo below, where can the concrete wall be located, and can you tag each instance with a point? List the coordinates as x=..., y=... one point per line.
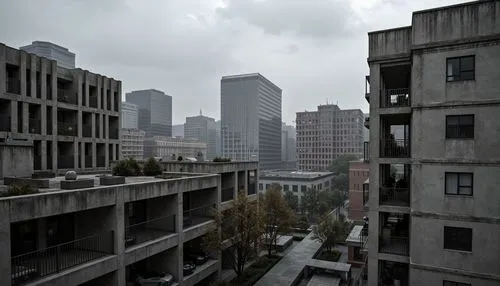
x=16, y=159
x=436, y=277
x=358, y=174
x=208, y=168
x=389, y=43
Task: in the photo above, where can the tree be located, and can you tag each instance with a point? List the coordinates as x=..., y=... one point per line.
x=325, y=232
x=242, y=225
x=126, y=167
x=292, y=200
x=310, y=203
x=151, y=167
x=340, y=165
x=278, y=216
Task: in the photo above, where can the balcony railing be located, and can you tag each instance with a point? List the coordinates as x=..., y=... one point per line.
x=396, y=97
x=54, y=259
x=394, y=245
x=4, y=123
x=252, y=189
x=198, y=215
x=14, y=85
x=67, y=96
x=93, y=101
x=35, y=126
x=65, y=162
x=394, y=196
x=149, y=230
x=366, y=151
x=66, y=129
x=395, y=148
x=87, y=130
x=227, y=194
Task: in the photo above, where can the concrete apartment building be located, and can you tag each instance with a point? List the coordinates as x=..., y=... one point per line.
x=169, y=148
x=61, y=55
x=129, y=116
x=155, y=111
x=433, y=209
x=72, y=116
x=359, y=172
x=327, y=133
x=202, y=128
x=139, y=225
x=251, y=119
x=295, y=181
x=132, y=143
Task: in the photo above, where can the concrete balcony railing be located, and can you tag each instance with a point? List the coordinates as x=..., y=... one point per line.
x=394, y=245
x=198, y=215
x=13, y=85
x=227, y=194
x=54, y=259
x=149, y=230
x=396, y=97
x=395, y=148
x=394, y=196
x=87, y=130
x=67, y=96
x=35, y=126
x=4, y=123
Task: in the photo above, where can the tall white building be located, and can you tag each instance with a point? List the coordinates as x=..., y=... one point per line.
x=61, y=55
x=202, y=128
x=130, y=115
x=132, y=141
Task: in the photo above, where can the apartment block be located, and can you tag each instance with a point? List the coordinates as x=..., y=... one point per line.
x=155, y=111
x=327, y=133
x=132, y=142
x=171, y=148
x=71, y=115
x=251, y=119
x=141, y=225
x=359, y=172
x=202, y=128
x=129, y=115
x=434, y=95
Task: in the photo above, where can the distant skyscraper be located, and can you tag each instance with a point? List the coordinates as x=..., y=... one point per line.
x=325, y=134
x=178, y=130
x=288, y=146
x=155, y=111
x=202, y=128
x=61, y=55
x=130, y=115
x=218, y=139
x=251, y=119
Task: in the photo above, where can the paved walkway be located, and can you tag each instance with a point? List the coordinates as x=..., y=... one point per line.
x=289, y=268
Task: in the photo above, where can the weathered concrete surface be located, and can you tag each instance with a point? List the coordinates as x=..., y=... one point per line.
x=77, y=184
x=111, y=180
x=16, y=158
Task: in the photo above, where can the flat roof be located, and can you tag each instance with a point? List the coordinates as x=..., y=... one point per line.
x=330, y=265
x=323, y=280
x=249, y=75
x=293, y=174
x=354, y=235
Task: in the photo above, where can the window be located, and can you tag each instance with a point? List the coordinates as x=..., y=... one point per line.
x=458, y=238
x=267, y=187
x=461, y=68
x=458, y=184
x=460, y=126
x=286, y=188
x=303, y=189
x=261, y=187
x=295, y=188
x=453, y=283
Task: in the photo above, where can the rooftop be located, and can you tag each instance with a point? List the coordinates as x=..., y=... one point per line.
x=354, y=235
x=293, y=174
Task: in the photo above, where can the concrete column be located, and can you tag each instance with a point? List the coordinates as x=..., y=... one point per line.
x=22, y=72
x=43, y=153
x=106, y=155
x=13, y=116
x=3, y=76
x=119, y=234
x=5, y=264
x=236, y=186
x=34, y=83
x=180, y=247
x=52, y=66
x=26, y=117
x=79, y=122
x=85, y=98
x=112, y=95
x=43, y=118
x=82, y=154
x=75, y=154
x=246, y=180
x=112, y=157
x=106, y=123
x=92, y=125
x=94, y=154
x=99, y=95
x=43, y=78
x=105, y=82
x=101, y=126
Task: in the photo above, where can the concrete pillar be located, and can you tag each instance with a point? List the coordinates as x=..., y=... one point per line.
x=82, y=154
x=106, y=124
x=113, y=156
x=44, y=69
x=5, y=264
x=43, y=153
x=104, y=95
x=75, y=154
x=54, y=133
x=3, y=75
x=26, y=117
x=119, y=234
x=112, y=95
x=101, y=125
x=85, y=92
x=32, y=65
x=79, y=122
x=13, y=116
x=94, y=154
x=43, y=118
x=92, y=125
x=99, y=95
x=22, y=72
x=180, y=247
x=236, y=187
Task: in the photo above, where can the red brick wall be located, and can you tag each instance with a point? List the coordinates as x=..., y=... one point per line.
x=359, y=172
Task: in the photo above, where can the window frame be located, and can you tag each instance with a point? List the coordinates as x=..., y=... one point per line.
x=455, y=283
x=458, y=184
x=460, y=71
x=458, y=116
x=450, y=228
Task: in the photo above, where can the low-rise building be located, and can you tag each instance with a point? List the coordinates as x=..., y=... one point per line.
x=132, y=141
x=298, y=182
x=359, y=173
x=168, y=148
x=111, y=234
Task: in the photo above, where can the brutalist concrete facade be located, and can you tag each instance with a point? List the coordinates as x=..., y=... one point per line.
x=72, y=115
x=93, y=236
x=414, y=90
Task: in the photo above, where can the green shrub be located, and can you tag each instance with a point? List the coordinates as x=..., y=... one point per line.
x=151, y=167
x=19, y=190
x=332, y=255
x=127, y=167
x=221, y=159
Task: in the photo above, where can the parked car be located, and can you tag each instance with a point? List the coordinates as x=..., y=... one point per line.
x=188, y=268
x=198, y=258
x=155, y=278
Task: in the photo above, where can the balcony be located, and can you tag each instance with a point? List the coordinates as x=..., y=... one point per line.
x=93, y=101
x=66, y=129
x=87, y=130
x=67, y=96
x=113, y=134
x=4, y=123
x=149, y=230
x=65, y=162
x=393, y=235
x=35, y=126
x=54, y=259
x=395, y=148
x=227, y=194
x=396, y=97
x=395, y=245
x=198, y=215
x=394, y=196
x=13, y=85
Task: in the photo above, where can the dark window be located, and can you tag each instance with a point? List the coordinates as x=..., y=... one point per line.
x=261, y=187
x=286, y=188
x=458, y=238
x=303, y=189
x=459, y=184
x=267, y=187
x=453, y=283
x=460, y=126
x=295, y=188
x=461, y=68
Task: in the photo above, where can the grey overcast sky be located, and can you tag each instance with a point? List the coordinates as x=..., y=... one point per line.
x=315, y=50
